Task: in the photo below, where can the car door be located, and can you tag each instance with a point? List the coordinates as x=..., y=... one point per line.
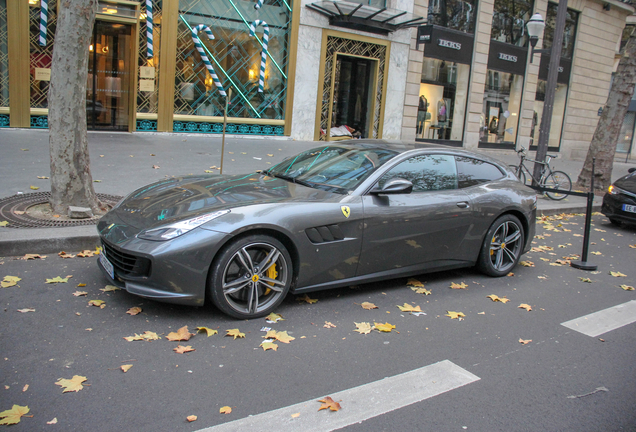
x=427, y=225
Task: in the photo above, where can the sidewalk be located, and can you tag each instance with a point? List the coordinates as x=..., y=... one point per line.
x=122, y=162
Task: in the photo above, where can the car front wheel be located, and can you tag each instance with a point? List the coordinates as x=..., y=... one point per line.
x=502, y=246
x=250, y=277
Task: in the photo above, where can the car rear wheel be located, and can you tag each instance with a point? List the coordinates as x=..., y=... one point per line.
x=502, y=246
x=250, y=277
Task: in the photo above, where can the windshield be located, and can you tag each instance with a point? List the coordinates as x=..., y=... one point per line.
x=338, y=169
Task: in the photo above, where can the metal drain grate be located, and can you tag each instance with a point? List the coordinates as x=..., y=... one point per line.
x=20, y=203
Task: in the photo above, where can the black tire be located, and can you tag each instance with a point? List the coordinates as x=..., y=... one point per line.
x=502, y=246
x=558, y=180
x=250, y=277
x=519, y=173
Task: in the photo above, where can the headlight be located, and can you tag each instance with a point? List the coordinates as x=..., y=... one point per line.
x=613, y=190
x=168, y=232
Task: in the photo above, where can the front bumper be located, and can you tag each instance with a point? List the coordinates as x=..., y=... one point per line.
x=613, y=207
x=175, y=271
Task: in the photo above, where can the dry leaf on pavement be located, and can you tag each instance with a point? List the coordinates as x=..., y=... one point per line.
x=25, y=310
x=57, y=279
x=191, y=418
x=80, y=293
x=368, y=305
x=135, y=310
x=99, y=303
x=363, y=327
x=72, y=385
x=10, y=281
x=329, y=325
x=180, y=349
x=414, y=283
x=183, y=334
x=455, y=315
x=384, y=327
x=627, y=287
x=225, y=410
x=235, y=333
x=306, y=298
x=209, y=331
x=462, y=285
x=497, y=299
x=269, y=346
x=125, y=368
x=13, y=415
x=409, y=308
x=525, y=306
x=525, y=342
x=328, y=403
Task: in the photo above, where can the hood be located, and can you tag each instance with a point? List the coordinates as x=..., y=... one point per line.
x=181, y=198
x=627, y=182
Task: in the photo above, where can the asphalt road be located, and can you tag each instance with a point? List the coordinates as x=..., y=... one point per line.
x=520, y=387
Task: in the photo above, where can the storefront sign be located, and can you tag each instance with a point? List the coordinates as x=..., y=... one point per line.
x=42, y=74
x=146, y=85
x=565, y=67
x=449, y=45
x=146, y=72
x=504, y=57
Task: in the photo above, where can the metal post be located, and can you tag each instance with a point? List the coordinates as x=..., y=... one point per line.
x=227, y=101
x=583, y=264
x=550, y=90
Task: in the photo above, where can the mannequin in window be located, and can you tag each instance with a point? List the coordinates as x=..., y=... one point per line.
x=422, y=110
x=492, y=126
x=441, y=111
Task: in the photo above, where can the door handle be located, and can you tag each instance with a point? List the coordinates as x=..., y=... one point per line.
x=462, y=204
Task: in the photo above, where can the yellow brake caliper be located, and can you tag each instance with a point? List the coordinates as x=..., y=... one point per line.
x=271, y=274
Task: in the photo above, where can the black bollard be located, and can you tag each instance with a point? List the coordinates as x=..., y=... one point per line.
x=583, y=264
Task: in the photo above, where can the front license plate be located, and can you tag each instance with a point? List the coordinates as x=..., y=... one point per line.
x=107, y=265
x=629, y=208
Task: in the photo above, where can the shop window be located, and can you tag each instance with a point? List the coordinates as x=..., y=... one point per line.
x=453, y=14
x=569, y=33
x=509, y=21
x=235, y=57
x=443, y=97
x=502, y=101
x=558, y=114
x=4, y=56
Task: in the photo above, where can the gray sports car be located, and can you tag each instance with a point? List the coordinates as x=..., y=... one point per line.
x=333, y=216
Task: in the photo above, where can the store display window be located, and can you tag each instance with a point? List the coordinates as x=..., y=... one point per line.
x=558, y=115
x=442, y=102
x=509, y=21
x=453, y=14
x=502, y=102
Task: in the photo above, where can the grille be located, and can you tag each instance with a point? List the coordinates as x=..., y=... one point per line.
x=127, y=264
x=324, y=234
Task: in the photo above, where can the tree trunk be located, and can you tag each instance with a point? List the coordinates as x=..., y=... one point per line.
x=603, y=145
x=71, y=180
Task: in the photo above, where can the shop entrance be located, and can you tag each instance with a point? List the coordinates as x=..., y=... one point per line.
x=108, y=89
x=354, y=88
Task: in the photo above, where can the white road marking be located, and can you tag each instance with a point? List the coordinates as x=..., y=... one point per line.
x=597, y=323
x=358, y=403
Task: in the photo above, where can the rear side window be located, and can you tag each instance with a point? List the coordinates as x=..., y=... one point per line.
x=428, y=172
x=471, y=172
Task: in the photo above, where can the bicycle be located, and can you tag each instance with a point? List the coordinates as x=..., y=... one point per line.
x=549, y=179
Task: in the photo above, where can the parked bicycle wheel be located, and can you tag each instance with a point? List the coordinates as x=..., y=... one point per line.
x=519, y=172
x=558, y=180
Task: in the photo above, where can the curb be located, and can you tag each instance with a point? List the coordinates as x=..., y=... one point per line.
x=17, y=242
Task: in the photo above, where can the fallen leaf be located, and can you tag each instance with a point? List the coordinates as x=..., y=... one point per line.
x=71, y=385
x=183, y=334
x=295, y=415
x=306, y=298
x=269, y=346
x=328, y=403
x=109, y=288
x=617, y=274
x=527, y=263
x=99, y=303
x=35, y=187
x=25, y=310
x=584, y=279
x=209, y=331
x=42, y=177
x=383, y=327
x=191, y=418
x=125, y=368
x=65, y=255
x=10, y=281
x=596, y=253
x=510, y=274
x=183, y=349
x=409, y=308
x=52, y=422
x=86, y=254
x=497, y=299
x=627, y=287
x=156, y=167
x=81, y=285
x=25, y=388
x=57, y=280
x=274, y=317
x=13, y=415
x=235, y=333
x=134, y=310
x=225, y=410
x=32, y=257
x=455, y=315
x=4, y=223
x=421, y=291
x=148, y=335
x=368, y=306
x=363, y=327
x=80, y=293
x=462, y=285
x=329, y=325
x=280, y=336
x=525, y=342
x=525, y=306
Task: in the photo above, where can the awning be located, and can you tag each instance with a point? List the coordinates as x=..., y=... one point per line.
x=367, y=18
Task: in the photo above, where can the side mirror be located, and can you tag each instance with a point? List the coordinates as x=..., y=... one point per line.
x=393, y=187
x=631, y=170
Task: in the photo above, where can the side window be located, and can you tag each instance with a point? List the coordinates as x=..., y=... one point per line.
x=426, y=172
x=472, y=172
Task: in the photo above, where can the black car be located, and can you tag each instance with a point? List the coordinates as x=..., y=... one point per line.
x=619, y=203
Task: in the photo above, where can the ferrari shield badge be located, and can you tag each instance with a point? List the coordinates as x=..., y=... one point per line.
x=346, y=211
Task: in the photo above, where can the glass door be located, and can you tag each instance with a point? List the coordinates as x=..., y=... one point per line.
x=108, y=90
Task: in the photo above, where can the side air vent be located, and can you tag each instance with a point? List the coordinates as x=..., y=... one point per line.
x=324, y=234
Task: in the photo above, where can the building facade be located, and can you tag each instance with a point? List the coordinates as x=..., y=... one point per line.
x=456, y=72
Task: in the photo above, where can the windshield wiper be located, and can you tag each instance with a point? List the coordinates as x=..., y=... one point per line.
x=288, y=178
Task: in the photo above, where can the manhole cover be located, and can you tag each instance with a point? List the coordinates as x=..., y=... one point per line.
x=20, y=203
